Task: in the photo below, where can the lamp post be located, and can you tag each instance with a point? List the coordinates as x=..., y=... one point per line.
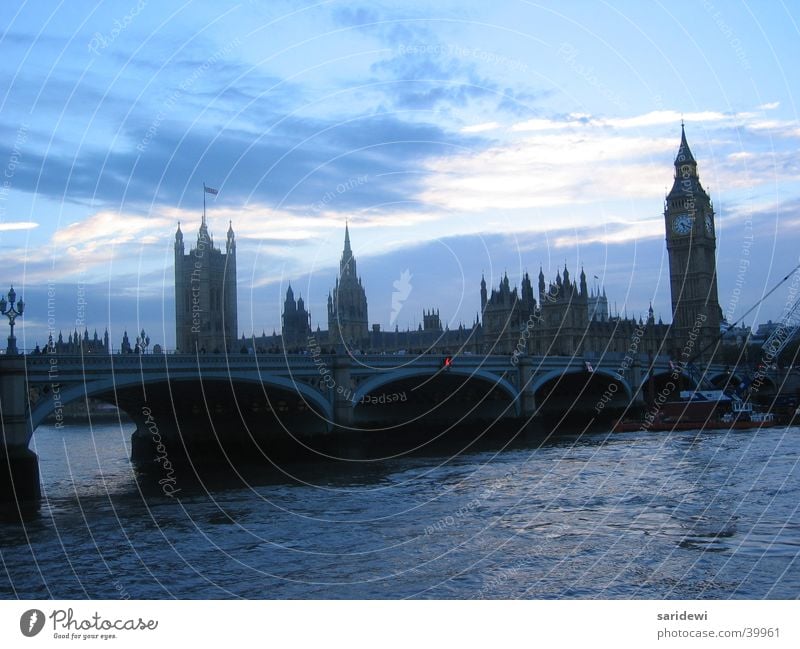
x=12, y=312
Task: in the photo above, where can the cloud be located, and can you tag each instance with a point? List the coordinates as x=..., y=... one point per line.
x=611, y=233
x=652, y=118
x=109, y=228
x=546, y=170
x=17, y=225
x=480, y=128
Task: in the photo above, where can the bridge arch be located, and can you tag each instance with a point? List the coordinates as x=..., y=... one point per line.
x=543, y=379
x=123, y=381
x=725, y=379
x=661, y=382
x=376, y=382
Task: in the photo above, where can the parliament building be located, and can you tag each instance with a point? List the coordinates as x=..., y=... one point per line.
x=559, y=317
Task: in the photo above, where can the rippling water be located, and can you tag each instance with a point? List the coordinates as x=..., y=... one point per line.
x=636, y=515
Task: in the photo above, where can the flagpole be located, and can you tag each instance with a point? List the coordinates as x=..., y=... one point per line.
x=204, y=203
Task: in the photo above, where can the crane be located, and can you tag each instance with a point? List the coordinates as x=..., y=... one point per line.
x=783, y=334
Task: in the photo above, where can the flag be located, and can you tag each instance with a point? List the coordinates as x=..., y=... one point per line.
x=211, y=190
x=589, y=367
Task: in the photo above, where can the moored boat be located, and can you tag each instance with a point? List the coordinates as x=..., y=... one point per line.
x=700, y=410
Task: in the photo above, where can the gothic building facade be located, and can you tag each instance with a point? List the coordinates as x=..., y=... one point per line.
x=205, y=294
x=567, y=320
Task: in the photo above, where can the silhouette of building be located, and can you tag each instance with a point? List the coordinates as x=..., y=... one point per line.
x=568, y=320
x=348, y=323
x=431, y=320
x=75, y=344
x=296, y=322
x=205, y=294
x=598, y=305
x=505, y=313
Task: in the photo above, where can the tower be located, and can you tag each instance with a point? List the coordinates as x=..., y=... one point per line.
x=205, y=294
x=347, y=306
x=691, y=247
x=296, y=322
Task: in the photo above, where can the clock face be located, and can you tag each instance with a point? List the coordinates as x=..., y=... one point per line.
x=682, y=224
x=709, y=225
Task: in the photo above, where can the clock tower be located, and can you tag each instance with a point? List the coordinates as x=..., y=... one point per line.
x=691, y=247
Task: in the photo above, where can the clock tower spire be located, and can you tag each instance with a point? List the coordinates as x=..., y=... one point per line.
x=691, y=247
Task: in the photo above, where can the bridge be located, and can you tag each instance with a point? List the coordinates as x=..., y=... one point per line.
x=196, y=405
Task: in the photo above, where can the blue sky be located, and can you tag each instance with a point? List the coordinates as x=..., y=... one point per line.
x=457, y=138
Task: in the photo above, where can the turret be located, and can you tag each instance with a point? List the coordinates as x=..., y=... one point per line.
x=289, y=304
x=527, y=291
x=230, y=244
x=483, y=293
x=179, y=241
x=542, y=287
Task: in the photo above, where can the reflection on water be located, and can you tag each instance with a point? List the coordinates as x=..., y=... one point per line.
x=681, y=515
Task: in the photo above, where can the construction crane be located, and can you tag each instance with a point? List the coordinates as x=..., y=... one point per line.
x=783, y=334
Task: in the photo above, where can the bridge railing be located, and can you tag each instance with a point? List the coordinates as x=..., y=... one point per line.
x=300, y=361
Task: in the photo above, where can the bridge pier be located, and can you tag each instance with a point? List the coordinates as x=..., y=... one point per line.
x=526, y=393
x=635, y=381
x=19, y=466
x=343, y=392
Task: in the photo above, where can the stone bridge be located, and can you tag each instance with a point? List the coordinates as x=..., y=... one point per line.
x=205, y=401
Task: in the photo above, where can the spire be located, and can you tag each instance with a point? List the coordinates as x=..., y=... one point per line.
x=230, y=243
x=687, y=183
x=684, y=150
x=347, y=266
x=179, y=240
x=202, y=233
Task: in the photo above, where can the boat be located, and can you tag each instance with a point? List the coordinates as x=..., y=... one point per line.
x=700, y=410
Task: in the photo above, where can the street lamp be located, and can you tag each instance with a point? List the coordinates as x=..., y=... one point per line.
x=8, y=309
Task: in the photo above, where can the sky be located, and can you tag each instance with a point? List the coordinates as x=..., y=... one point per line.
x=456, y=138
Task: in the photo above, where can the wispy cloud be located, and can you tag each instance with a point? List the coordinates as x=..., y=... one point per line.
x=17, y=225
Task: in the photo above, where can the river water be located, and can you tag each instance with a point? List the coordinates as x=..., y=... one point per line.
x=633, y=515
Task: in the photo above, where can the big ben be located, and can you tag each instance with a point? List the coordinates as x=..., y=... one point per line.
x=691, y=247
